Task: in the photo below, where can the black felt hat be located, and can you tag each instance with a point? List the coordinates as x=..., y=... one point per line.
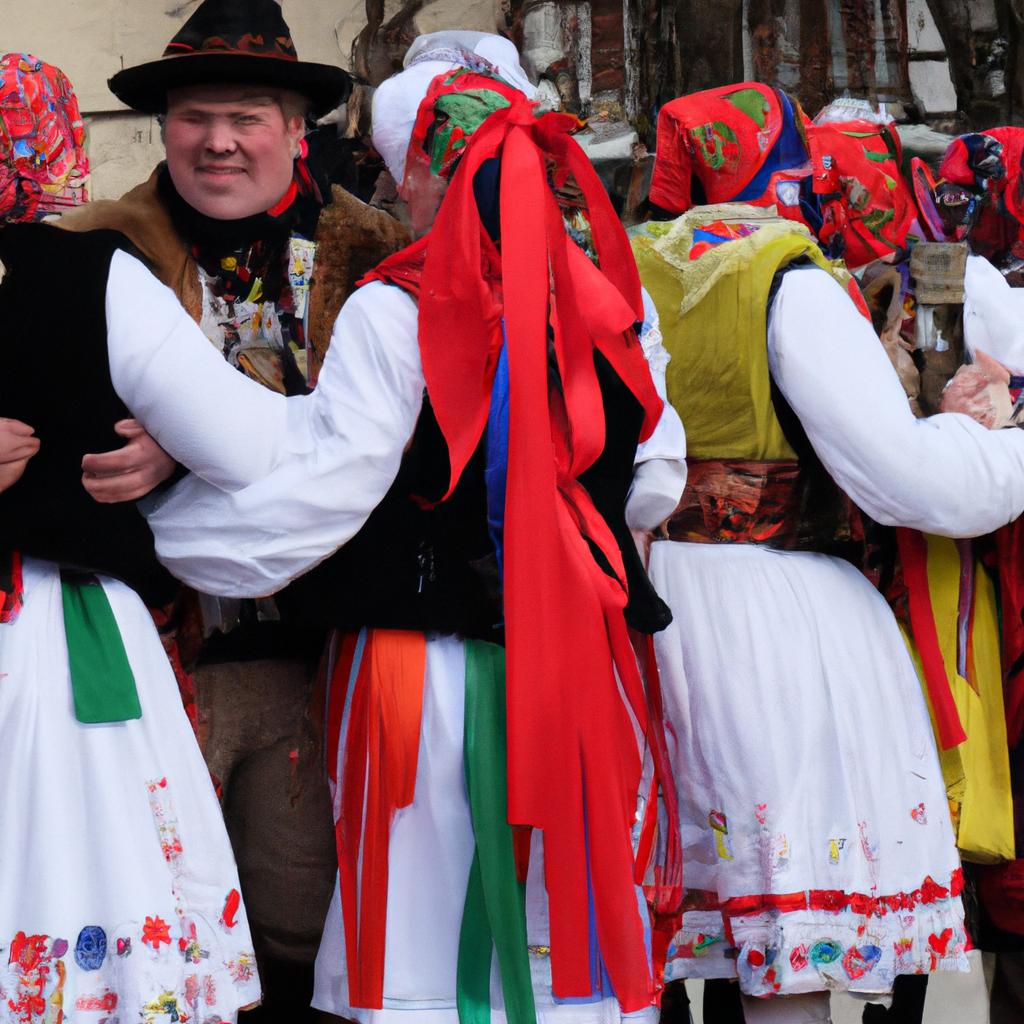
x=243, y=41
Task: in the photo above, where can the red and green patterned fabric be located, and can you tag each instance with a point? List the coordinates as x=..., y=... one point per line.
x=738, y=143
x=864, y=196
x=456, y=105
x=989, y=164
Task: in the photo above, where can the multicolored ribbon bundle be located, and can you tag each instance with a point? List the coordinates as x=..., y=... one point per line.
x=573, y=762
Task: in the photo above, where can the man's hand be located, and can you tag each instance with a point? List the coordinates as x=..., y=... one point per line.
x=129, y=472
x=982, y=392
x=17, y=446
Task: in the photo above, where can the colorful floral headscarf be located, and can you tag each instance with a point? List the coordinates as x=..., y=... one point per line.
x=456, y=105
x=43, y=166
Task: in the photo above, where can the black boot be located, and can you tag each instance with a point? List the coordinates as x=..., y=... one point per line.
x=908, y=995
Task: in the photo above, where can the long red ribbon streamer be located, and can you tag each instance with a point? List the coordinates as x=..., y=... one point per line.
x=913, y=550
x=574, y=767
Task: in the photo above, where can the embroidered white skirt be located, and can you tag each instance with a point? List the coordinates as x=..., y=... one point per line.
x=118, y=889
x=818, y=852
x=429, y=859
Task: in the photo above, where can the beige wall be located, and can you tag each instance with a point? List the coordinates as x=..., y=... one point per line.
x=92, y=39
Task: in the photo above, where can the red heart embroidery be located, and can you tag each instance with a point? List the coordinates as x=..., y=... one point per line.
x=940, y=942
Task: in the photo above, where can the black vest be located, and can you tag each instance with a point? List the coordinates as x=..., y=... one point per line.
x=435, y=569
x=55, y=376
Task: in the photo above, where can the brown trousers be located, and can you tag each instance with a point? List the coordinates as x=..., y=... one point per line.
x=261, y=744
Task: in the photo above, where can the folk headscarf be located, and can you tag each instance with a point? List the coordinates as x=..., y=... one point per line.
x=531, y=311
x=43, y=166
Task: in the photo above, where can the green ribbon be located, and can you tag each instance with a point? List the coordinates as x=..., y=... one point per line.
x=102, y=682
x=494, y=916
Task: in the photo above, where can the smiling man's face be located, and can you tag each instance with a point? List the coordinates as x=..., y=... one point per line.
x=230, y=148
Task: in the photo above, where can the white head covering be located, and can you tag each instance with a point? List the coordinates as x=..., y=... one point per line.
x=397, y=101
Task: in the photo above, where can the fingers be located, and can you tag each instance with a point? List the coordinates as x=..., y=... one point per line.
x=16, y=427
x=19, y=451
x=10, y=473
x=109, y=490
x=129, y=428
x=17, y=442
x=115, y=463
x=127, y=473
x=993, y=369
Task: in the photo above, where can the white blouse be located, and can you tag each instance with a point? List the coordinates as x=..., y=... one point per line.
x=279, y=484
x=993, y=315
x=945, y=474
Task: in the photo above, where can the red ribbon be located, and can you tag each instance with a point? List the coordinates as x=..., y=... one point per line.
x=1010, y=557
x=913, y=550
x=574, y=767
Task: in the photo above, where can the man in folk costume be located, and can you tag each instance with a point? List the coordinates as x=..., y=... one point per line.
x=784, y=674
x=494, y=509
x=261, y=251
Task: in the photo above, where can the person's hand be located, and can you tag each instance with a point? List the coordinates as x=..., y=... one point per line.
x=17, y=445
x=981, y=391
x=127, y=473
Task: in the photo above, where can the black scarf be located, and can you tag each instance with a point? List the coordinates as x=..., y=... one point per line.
x=233, y=253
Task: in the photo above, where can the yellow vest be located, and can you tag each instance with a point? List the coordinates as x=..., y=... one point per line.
x=713, y=313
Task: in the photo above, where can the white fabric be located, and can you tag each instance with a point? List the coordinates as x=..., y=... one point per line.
x=993, y=315
x=804, y=760
x=397, y=100
x=804, y=753
x=206, y=415
x=495, y=49
x=660, y=475
x=429, y=857
x=254, y=541
x=110, y=826
x=945, y=475
x=360, y=418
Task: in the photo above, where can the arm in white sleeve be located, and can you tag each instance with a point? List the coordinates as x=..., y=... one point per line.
x=993, y=315
x=945, y=474
x=659, y=475
x=362, y=415
x=204, y=413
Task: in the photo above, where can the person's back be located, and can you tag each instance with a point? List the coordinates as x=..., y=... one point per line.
x=786, y=678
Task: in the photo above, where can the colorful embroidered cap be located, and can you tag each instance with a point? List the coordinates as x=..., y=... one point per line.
x=234, y=41
x=866, y=202
x=43, y=166
x=403, y=115
x=739, y=143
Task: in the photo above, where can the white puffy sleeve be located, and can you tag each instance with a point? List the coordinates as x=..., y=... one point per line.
x=945, y=474
x=206, y=415
x=993, y=315
x=659, y=475
x=344, y=458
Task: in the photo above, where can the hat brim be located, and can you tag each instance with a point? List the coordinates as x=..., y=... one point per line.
x=144, y=87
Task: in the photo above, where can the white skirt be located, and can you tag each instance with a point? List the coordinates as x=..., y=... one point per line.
x=118, y=889
x=429, y=859
x=818, y=852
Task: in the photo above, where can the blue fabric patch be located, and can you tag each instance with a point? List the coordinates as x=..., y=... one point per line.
x=496, y=470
